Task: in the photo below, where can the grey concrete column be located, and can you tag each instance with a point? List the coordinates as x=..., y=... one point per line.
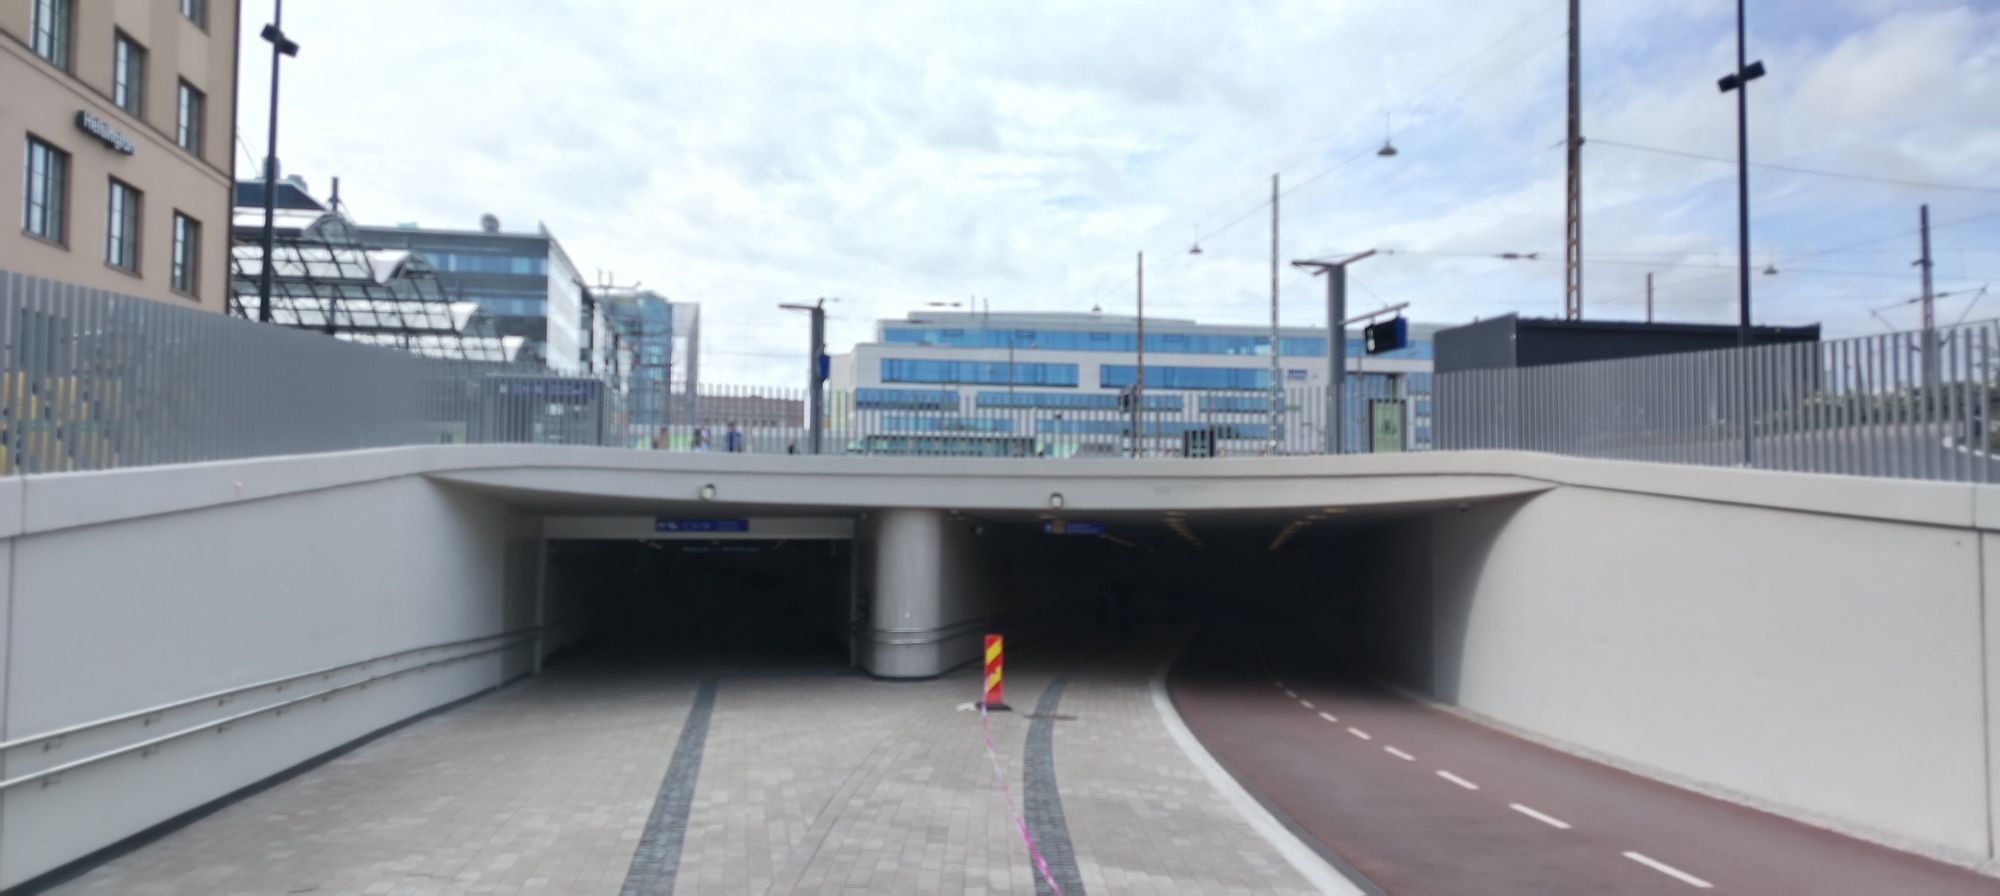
x=905, y=623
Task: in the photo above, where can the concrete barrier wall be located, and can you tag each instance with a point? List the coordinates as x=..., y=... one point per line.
x=1826, y=653
x=1820, y=644
x=114, y=609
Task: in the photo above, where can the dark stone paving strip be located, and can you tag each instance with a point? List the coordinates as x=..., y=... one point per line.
x=658, y=857
x=1040, y=801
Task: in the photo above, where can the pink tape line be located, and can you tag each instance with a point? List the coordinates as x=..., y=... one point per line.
x=1041, y=864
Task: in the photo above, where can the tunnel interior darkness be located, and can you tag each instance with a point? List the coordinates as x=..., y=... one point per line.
x=1347, y=589
x=786, y=599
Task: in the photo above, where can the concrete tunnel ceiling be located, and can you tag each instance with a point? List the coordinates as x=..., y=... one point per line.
x=1290, y=528
x=746, y=490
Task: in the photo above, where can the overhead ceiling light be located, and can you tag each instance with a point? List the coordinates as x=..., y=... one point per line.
x=708, y=492
x=1056, y=500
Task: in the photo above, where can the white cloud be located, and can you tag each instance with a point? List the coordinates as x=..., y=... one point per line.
x=898, y=154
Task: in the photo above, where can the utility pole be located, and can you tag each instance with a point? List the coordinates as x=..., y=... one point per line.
x=1649, y=297
x=1739, y=81
x=1930, y=352
x=281, y=46
x=1139, y=381
x=1573, y=238
x=1277, y=380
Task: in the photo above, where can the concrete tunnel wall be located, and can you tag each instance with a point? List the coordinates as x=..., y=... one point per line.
x=1822, y=644
x=114, y=605
x=1833, y=662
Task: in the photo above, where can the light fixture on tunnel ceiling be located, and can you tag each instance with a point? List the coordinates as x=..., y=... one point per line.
x=708, y=491
x=1333, y=510
x=1056, y=500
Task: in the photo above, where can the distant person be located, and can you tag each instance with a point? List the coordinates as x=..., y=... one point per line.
x=732, y=441
x=792, y=448
x=660, y=442
x=700, y=439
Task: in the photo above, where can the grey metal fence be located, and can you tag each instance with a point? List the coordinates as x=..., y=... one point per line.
x=991, y=421
x=94, y=380
x=1884, y=405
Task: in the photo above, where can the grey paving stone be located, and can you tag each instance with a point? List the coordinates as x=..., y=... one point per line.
x=812, y=780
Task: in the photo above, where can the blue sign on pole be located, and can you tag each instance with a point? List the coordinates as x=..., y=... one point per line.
x=1066, y=527
x=666, y=525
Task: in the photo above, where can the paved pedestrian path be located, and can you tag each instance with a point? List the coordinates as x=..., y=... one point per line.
x=811, y=779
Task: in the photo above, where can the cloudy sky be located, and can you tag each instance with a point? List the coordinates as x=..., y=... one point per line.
x=897, y=154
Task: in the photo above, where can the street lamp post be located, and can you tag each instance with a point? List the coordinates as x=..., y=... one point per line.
x=1336, y=344
x=281, y=46
x=815, y=372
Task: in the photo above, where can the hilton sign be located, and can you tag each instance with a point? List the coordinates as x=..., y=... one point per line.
x=102, y=130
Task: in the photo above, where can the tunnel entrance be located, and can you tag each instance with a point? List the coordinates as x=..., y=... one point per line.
x=779, y=599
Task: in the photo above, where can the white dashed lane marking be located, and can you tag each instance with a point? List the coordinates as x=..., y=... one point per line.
x=1399, y=754
x=1358, y=732
x=1457, y=780
x=1669, y=871
x=1288, y=693
x=1328, y=716
x=1544, y=818
x=1306, y=703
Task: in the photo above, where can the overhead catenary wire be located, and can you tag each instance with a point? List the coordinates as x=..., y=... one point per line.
x=1175, y=259
x=1795, y=169
x=1589, y=259
x=1626, y=297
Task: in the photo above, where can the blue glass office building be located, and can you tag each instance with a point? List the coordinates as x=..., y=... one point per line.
x=524, y=281
x=1049, y=376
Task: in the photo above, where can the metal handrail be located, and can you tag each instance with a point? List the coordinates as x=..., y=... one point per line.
x=225, y=695
x=223, y=724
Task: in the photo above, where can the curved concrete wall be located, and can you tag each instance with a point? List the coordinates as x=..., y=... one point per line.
x=1819, y=643
x=113, y=608
x=1818, y=646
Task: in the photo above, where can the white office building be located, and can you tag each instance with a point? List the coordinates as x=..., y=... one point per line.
x=1058, y=384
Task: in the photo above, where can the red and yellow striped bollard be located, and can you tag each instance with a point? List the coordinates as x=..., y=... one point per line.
x=991, y=700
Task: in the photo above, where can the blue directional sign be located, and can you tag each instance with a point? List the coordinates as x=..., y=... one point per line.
x=1068, y=527
x=668, y=525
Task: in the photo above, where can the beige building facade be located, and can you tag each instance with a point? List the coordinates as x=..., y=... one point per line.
x=118, y=126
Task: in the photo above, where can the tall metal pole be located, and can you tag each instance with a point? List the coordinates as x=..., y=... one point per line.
x=1649, y=297
x=1739, y=81
x=280, y=47
x=1277, y=381
x=1139, y=380
x=1742, y=196
x=1336, y=359
x=1930, y=351
x=1336, y=344
x=1573, y=238
x=817, y=399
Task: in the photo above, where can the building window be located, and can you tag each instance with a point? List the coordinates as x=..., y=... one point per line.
x=195, y=11
x=904, y=370
x=1070, y=401
x=1236, y=404
x=906, y=399
x=128, y=74
x=45, y=191
x=1119, y=376
x=121, y=229
x=187, y=255
x=49, y=29
x=187, y=131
